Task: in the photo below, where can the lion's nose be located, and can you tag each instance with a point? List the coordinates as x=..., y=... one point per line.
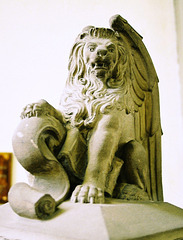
x=101, y=52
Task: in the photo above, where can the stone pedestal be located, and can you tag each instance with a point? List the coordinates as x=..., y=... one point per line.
x=113, y=220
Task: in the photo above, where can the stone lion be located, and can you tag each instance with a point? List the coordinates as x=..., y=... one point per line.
x=110, y=111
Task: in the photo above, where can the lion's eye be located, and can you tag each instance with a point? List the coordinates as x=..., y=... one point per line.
x=111, y=50
x=91, y=49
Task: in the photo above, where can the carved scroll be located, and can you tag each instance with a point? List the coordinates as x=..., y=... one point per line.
x=36, y=142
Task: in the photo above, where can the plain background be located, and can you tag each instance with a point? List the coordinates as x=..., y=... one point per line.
x=35, y=40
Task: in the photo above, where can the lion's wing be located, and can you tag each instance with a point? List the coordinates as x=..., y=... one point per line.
x=145, y=94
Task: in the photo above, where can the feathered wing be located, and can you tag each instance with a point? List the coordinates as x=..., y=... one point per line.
x=143, y=90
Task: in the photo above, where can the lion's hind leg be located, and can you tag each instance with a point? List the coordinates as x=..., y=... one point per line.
x=133, y=182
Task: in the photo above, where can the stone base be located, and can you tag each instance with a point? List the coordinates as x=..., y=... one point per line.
x=113, y=220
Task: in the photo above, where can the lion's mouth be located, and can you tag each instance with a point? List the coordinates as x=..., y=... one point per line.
x=100, y=65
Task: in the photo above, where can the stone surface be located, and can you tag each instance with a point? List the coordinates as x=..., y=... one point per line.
x=114, y=220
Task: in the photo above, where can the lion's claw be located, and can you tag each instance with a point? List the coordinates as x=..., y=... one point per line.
x=37, y=109
x=87, y=194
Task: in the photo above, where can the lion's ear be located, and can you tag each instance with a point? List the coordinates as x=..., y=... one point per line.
x=87, y=28
x=82, y=35
x=85, y=31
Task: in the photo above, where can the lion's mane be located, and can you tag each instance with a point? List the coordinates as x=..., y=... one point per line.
x=83, y=99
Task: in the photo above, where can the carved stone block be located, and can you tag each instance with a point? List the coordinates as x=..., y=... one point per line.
x=114, y=220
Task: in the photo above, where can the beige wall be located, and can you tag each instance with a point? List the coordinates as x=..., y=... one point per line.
x=36, y=37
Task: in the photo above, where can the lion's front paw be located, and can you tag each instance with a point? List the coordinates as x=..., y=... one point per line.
x=87, y=194
x=40, y=108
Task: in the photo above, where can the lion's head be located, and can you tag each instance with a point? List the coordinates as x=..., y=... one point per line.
x=98, y=52
x=97, y=67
